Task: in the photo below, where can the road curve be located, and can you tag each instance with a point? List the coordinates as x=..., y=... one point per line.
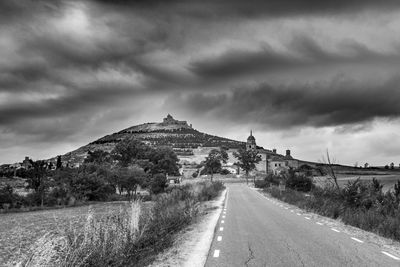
x=254, y=231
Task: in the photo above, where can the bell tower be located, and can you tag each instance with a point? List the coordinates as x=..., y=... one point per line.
x=251, y=142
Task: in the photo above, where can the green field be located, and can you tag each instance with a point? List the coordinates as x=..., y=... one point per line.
x=18, y=231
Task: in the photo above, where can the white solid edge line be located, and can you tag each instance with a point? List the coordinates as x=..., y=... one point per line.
x=390, y=255
x=219, y=238
x=221, y=229
x=336, y=230
x=216, y=253
x=358, y=240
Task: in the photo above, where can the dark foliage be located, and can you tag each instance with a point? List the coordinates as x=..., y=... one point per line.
x=261, y=184
x=298, y=182
x=153, y=160
x=158, y=184
x=225, y=172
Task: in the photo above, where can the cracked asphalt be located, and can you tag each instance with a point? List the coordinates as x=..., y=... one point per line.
x=258, y=233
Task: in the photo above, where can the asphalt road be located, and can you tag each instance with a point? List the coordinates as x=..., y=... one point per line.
x=257, y=231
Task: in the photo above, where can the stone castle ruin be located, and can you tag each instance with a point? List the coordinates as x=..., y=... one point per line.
x=169, y=120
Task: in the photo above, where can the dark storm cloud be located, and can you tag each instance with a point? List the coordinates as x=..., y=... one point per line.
x=74, y=101
x=252, y=8
x=336, y=104
x=13, y=10
x=304, y=52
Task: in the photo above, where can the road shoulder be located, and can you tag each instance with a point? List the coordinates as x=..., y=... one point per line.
x=191, y=246
x=385, y=244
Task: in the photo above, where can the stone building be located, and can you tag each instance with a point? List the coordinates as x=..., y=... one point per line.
x=271, y=161
x=251, y=142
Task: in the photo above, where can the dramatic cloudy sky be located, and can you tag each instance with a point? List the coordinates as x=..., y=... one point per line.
x=307, y=75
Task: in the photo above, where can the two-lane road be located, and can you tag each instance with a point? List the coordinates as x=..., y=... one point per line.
x=253, y=231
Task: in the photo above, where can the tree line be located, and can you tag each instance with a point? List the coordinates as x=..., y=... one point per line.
x=102, y=176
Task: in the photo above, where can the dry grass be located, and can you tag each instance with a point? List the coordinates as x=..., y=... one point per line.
x=18, y=231
x=100, y=243
x=130, y=237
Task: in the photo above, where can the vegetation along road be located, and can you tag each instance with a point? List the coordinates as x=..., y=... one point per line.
x=254, y=230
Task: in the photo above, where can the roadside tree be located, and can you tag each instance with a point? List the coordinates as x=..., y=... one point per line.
x=214, y=160
x=247, y=160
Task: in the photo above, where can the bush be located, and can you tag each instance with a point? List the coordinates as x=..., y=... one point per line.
x=210, y=190
x=90, y=187
x=299, y=182
x=225, y=172
x=7, y=195
x=261, y=184
x=158, y=183
x=273, y=179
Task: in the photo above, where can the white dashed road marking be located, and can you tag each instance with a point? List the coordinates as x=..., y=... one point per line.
x=219, y=238
x=358, y=240
x=216, y=253
x=223, y=216
x=221, y=229
x=222, y=221
x=390, y=255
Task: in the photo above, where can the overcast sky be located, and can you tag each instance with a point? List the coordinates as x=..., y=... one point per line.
x=305, y=75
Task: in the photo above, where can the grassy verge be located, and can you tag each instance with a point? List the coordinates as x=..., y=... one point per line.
x=132, y=237
x=359, y=204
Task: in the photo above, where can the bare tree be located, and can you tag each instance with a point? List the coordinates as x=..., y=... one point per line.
x=328, y=162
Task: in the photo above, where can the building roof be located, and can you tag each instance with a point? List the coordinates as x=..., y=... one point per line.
x=275, y=158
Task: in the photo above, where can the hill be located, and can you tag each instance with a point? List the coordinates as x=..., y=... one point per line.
x=178, y=135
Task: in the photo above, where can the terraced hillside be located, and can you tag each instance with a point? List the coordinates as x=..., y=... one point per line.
x=176, y=134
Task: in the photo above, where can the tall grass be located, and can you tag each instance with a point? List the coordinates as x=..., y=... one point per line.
x=359, y=204
x=130, y=237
